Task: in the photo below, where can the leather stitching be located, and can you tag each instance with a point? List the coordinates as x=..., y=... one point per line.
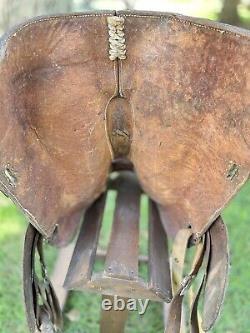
x=173, y=18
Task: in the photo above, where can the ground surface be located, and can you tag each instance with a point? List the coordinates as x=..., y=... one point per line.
x=235, y=316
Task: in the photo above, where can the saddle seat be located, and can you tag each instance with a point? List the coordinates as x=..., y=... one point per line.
x=163, y=95
x=166, y=92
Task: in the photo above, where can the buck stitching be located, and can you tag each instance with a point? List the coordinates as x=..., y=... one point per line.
x=116, y=38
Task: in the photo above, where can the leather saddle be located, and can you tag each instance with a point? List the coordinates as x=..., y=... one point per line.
x=162, y=95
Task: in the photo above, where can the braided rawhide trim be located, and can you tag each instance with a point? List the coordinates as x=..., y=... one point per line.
x=117, y=40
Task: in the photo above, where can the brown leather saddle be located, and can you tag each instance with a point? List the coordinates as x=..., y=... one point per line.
x=162, y=95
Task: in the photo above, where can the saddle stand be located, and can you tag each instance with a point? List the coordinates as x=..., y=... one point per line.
x=167, y=280
x=120, y=276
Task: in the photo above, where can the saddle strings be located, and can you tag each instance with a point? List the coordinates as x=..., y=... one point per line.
x=117, y=40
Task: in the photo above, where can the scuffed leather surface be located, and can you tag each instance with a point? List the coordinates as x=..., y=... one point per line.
x=189, y=89
x=53, y=92
x=187, y=83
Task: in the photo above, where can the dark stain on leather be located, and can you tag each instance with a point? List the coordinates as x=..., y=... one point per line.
x=119, y=126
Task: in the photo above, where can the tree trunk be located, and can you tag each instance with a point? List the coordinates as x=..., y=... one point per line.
x=229, y=13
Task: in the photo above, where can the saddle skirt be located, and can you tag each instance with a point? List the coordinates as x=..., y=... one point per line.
x=165, y=95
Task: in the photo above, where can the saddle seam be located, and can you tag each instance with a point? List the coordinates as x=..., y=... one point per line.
x=170, y=18
x=27, y=212
x=174, y=18
x=218, y=212
x=52, y=18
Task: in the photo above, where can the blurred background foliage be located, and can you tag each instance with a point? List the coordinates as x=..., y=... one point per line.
x=83, y=309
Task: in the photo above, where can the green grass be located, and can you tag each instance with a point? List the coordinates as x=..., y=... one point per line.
x=235, y=315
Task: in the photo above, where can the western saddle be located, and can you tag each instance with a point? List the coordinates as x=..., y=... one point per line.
x=137, y=103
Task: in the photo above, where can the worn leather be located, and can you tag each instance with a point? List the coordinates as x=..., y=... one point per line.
x=177, y=110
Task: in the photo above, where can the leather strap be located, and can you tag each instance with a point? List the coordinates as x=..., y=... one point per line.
x=175, y=311
x=217, y=276
x=180, y=246
x=178, y=257
x=195, y=320
x=42, y=307
x=211, y=262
